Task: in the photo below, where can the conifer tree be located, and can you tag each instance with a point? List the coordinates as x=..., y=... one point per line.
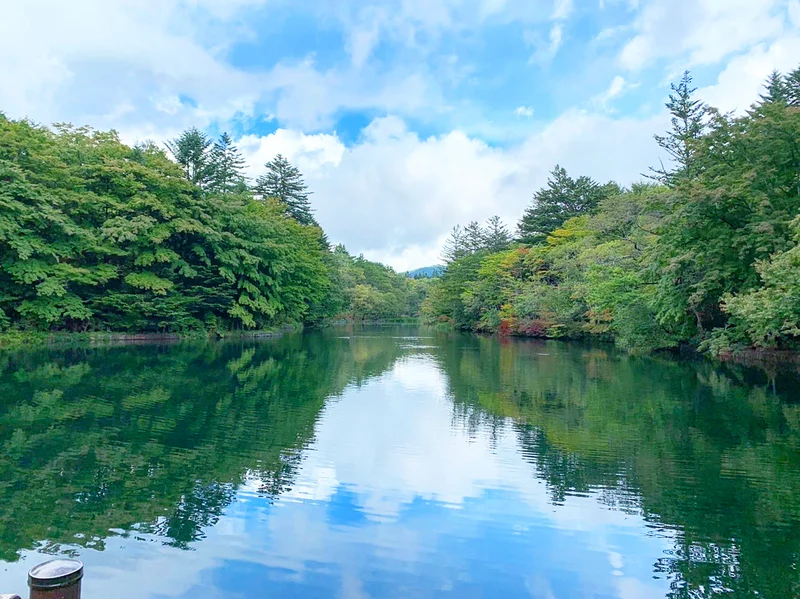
x=791, y=88
x=455, y=247
x=776, y=89
x=562, y=199
x=192, y=151
x=474, y=237
x=497, y=237
x=688, y=126
x=284, y=182
x=227, y=166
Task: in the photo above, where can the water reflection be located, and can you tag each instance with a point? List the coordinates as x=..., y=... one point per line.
x=397, y=464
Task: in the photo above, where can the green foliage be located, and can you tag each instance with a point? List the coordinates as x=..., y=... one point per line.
x=95, y=235
x=473, y=238
x=707, y=256
x=770, y=315
x=688, y=126
x=226, y=167
x=284, y=182
x=562, y=199
x=369, y=291
x=192, y=150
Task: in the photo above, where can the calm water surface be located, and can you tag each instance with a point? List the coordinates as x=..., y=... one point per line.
x=398, y=463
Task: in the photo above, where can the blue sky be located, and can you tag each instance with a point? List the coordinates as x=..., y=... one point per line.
x=407, y=116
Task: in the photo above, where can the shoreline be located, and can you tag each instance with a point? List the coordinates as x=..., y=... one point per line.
x=18, y=339
x=14, y=339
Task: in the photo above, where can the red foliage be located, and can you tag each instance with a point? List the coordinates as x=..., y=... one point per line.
x=505, y=327
x=534, y=328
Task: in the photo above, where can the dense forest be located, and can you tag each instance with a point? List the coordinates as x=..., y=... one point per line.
x=99, y=236
x=704, y=252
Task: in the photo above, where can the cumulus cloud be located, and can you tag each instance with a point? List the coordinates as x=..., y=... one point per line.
x=395, y=195
x=742, y=80
x=153, y=67
x=701, y=32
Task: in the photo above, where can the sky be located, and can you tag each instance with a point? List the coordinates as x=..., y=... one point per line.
x=406, y=116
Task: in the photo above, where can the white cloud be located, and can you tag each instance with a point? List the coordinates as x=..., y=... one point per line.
x=740, y=84
x=617, y=88
x=700, y=32
x=562, y=9
x=395, y=196
x=545, y=50
x=524, y=111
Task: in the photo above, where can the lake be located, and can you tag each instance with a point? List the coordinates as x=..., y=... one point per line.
x=398, y=462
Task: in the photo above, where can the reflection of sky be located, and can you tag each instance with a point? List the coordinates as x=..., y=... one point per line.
x=395, y=498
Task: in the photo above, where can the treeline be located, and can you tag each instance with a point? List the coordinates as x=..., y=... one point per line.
x=97, y=235
x=703, y=252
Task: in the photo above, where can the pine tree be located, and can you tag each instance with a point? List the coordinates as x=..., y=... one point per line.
x=688, y=125
x=474, y=237
x=191, y=151
x=562, y=199
x=227, y=166
x=284, y=182
x=455, y=247
x=792, y=88
x=776, y=89
x=497, y=236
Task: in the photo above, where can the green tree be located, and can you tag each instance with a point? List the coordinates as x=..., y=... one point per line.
x=562, y=199
x=192, y=151
x=456, y=245
x=284, y=182
x=688, y=125
x=497, y=237
x=227, y=166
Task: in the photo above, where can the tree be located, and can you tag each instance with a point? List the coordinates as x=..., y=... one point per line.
x=497, y=235
x=227, y=166
x=284, y=182
x=792, y=88
x=562, y=199
x=688, y=125
x=775, y=89
x=474, y=237
x=191, y=151
x=456, y=246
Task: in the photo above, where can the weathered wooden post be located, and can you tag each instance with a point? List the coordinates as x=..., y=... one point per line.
x=56, y=579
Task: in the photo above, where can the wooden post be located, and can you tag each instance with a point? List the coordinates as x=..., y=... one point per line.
x=56, y=579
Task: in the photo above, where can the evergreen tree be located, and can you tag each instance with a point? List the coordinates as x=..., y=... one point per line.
x=562, y=199
x=497, y=236
x=474, y=237
x=192, y=151
x=792, y=88
x=284, y=182
x=227, y=166
x=776, y=89
x=456, y=246
x=688, y=126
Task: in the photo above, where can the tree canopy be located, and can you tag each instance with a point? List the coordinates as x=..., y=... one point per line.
x=705, y=255
x=285, y=183
x=96, y=235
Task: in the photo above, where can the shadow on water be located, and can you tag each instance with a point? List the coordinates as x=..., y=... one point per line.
x=158, y=439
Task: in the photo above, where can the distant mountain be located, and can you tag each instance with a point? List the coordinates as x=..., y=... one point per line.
x=426, y=272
